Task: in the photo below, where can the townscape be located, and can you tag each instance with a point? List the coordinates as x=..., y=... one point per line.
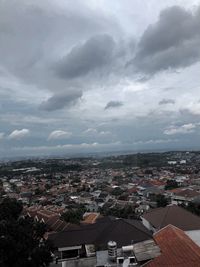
x=69, y=195
x=99, y=133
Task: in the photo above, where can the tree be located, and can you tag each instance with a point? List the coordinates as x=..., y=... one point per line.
x=171, y=184
x=47, y=186
x=126, y=212
x=161, y=201
x=117, y=191
x=21, y=239
x=74, y=215
x=38, y=191
x=10, y=209
x=192, y=207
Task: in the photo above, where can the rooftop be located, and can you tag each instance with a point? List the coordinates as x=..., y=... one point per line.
x=174, y=215
x=177, y=249
x=124, y=232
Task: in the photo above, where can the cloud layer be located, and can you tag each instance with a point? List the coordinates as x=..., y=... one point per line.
x=95, y=53
x=103, y=76
x=58, y=101
x=172, y=42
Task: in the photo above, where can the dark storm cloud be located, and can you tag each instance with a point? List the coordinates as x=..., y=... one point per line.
x=82, y=59
x=56, y=51
x=113, y=104
x=165, y=101
x=173, y=42
x=35, y=36
x=60, y=101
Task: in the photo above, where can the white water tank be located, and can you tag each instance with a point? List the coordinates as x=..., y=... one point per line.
x=112, y=250
x=127, y=248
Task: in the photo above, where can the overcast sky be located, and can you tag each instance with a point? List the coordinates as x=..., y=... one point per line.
x=98, y=75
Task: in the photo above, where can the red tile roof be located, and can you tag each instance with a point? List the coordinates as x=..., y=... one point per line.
x=91, y=218
x=177, y=249
x=132, y=190
x=158, y=182
x=175, y=190
x=45, y=215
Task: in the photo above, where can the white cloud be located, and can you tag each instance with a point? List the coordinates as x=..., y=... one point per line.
x=156, y=141
x=183, y=129
x=104, y=133
x=68, y=147
x=19, y=134
x=95, y=131
x=58, y=134
x=90, y=131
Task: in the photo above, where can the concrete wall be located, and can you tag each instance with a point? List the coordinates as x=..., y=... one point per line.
x=55, y=265
x=84, y=262
x=148, y=225
x=194, y=235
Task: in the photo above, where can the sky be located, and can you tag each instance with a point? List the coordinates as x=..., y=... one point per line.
x=95, y=75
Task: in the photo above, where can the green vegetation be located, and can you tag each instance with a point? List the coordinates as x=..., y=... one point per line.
x=171, y=184
x=145, y=160
x=117, y=191
x=126, y=212
x=38, y=192
x=21, y=239
x=161, y=201
x=49, y=167
x=192, y=207
x=74, y=216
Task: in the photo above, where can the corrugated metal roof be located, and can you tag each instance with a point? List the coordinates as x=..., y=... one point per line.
x=146, y=250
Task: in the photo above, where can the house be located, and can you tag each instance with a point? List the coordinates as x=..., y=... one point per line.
x=181, y=180
x=49, y=215
x=152, y=192
x=90, y=217
x=83, y=241
x=142, y=208
x=177, y=249
x=92, y=206
x=132, y=255
x=156, y=219
x=184, y=196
